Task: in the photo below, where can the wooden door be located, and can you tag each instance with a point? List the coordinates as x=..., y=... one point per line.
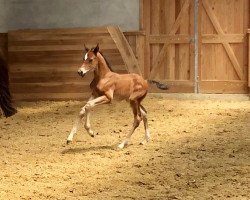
x=223, y=52
x=169, y=49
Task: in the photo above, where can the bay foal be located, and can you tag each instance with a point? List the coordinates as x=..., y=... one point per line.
x=107, y=85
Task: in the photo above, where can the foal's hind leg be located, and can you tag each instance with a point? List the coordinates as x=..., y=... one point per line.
x=137, y=120
x=145, y=121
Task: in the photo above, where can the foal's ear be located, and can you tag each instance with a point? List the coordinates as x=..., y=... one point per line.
x=86, y=48
x=96, y=49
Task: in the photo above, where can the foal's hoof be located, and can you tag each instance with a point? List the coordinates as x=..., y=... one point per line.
x=143, y=142
x=91, y=133
x=122, y=145
x=68, y=141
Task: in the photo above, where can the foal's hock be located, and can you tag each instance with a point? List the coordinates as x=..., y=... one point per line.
x=108, y=85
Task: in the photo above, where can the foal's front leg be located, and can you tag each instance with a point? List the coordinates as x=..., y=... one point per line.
x=90, y=104
x=87, y=125
x=76, y=125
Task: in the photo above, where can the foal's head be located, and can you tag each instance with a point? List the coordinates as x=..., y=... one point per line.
x=90, y=61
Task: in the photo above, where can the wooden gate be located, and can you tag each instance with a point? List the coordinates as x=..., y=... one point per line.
x=223, y=27
x=169, y=44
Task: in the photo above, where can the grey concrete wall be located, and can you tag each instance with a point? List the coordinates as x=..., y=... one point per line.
x=22, y=14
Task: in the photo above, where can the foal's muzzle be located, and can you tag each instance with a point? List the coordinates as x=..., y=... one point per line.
x=80, y=72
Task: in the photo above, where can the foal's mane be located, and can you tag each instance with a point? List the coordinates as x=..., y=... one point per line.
x=105, y=60
x=109, y=66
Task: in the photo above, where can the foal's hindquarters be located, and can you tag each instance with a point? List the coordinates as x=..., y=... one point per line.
x=130, y=87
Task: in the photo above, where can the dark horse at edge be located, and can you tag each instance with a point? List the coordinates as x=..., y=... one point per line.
x=5, y=97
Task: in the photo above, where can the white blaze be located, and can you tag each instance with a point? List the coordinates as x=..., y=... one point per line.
x=86, y=56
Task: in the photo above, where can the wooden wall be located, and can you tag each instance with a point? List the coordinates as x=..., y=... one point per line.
x=43, y=63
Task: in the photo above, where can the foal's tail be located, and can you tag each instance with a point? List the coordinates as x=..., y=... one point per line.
x=161, y=86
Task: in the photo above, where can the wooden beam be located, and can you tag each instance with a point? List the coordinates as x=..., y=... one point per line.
x=124, y=49
x=50, y=96
x=171, y=39
x=233, y=60
x=218, y=39
x=249, y=58
x=224, y=87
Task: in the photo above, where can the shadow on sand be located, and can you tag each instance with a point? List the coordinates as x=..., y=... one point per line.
x=89, y=149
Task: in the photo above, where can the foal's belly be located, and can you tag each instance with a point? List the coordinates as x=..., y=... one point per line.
x=122, y=93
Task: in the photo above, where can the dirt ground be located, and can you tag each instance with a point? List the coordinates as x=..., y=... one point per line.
x=199, y=149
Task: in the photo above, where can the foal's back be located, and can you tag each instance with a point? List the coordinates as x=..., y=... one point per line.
x=125, y=86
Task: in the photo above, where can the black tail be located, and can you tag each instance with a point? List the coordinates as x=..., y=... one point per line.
x=161, y=86
x=5, y=97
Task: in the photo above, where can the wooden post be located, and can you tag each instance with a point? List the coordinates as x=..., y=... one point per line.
x=196, y=47
x=124, y=49
x=248, y=60
x=140, y=46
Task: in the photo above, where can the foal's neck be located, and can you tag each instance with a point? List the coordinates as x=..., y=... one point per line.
x=103, y=68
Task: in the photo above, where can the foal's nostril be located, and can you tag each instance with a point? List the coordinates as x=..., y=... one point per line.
x=80, y=73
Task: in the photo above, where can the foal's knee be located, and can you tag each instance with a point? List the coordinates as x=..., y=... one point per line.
x=82, y=112
x=85, y=109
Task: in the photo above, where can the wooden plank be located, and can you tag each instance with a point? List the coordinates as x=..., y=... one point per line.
x=155, y=29
x=183, y=65
x=140, y=46
x=192, y=62
x=224, y=87
x=175, y=87
x=41, y=34
x=56, y=47
x=50, y=96
x=171, y=49
x=55, y=68
x=146, y=28
x=125, y=50
x=170, y=39
x=46, y=77
x=53, y=87
x=141, y=15
x=229, y=38
x=103, y=40
x=249, y=58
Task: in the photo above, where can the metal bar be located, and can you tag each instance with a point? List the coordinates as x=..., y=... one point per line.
x=196, y=47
